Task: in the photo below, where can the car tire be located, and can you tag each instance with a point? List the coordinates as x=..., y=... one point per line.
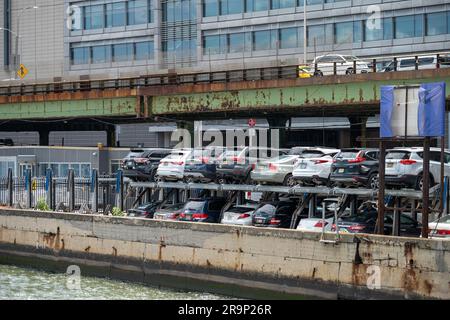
x=318, y=73
x=289, y=181
x=350, y=71
x=373, y=182
x=419, y=182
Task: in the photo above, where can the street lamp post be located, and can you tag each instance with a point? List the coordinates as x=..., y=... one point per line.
x=18, y=59
x=305, y=34
x=15, y=34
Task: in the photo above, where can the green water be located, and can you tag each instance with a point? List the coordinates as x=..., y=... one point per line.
x=29, y=284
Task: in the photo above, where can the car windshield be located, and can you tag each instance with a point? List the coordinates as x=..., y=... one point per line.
x=362, y=217
x=398, y=155
x=296, y=151
x=194, y=205
x=347, y=154
x=267, y=209
x=282, y=158
x=134, y=154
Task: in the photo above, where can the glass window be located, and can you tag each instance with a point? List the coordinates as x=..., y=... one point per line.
x=115, y=14
x=144, y=50
x=436, y=23
x=85, y=170
x=93, y=17
x=137, y=12
x=261, y=40
x=210, y=8
x=55, y=169
x=211, y=44
x=231, y=6
x=343, y=32
x=64, y=170
x=76, y=169
x=388, y=29
x=237, y=42
x=288, y=38
x=280, y=4
x=371, y=32
x=101, y=54
x=43, y=169
x=418, y=25
x=357, y=31
x=316, y=35
x=259, y=5
x=80, y=55
x=404, y=27
x=123, y=52
x=248, y=5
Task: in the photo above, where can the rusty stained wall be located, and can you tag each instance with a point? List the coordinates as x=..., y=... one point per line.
x=409, y=267
x=198, y=99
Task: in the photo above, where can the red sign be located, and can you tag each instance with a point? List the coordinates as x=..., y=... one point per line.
x=251, y=123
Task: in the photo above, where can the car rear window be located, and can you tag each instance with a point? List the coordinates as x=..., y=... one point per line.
x=445, y=219
x=176, y=155
x=132, y=155
x=267, y=209
x=348, y=154
x=195, y=205
x=240, y=209
x=312, y=154
x=398, y=155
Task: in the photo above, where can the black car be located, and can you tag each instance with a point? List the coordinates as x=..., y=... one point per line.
x=365, y=222
x=145, y=211
x=202, y=166
x=202, y=210
x=274, y=214
x=356, y=167
x=236, y=164
x=141, y=165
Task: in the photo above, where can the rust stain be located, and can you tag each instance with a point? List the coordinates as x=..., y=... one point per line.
x=162, y=244
x=409, y=280
x=428, y=287
x=359, y=274
x=114, y=251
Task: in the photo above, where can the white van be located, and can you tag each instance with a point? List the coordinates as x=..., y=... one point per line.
x=344, y=65
x=425, y=62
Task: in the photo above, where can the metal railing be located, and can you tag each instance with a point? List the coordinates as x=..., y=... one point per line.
x=217, y=76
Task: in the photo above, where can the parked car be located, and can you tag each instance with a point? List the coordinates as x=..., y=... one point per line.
x=144, y=211
x=365, y=222
x=344, y=65
x=235, y=165
x=404, y=167
x=172, y=166
x=278, y=170
x=201, y=166
x=356, y=167
x=202, y=210
x=275, y=214
x=440, y=228
x=142, y=165
x=314, y=166
x=168, y=212
x=6, y=142
x=424, y=62
x=305, y=71
x=316, y=224
x=240, y=214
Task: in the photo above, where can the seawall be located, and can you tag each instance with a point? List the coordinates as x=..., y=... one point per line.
x=239, y=261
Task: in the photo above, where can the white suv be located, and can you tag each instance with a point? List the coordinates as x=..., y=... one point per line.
x=344, y=65
x=172, y=166
x=404, y=167
x=314, y=166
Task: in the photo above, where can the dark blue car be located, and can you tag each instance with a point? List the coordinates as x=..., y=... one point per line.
x=202, y=210
x=202, y=166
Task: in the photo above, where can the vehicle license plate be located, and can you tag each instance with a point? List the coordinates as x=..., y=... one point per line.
x=389, y=165
x=259, y=220
x=342, y=170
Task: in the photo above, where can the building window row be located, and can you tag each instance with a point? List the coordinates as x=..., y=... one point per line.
x=223, y=7
x=116, y=14
x=119, y=52
x=62, y=169
x=338, y=33
x=179, y=10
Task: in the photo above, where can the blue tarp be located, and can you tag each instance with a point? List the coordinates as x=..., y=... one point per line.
x=431, y=111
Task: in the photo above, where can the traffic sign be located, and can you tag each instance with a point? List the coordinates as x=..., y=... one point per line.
x=22, y=72
x=251, y=123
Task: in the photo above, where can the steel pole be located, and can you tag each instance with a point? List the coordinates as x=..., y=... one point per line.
x=305, y=34
x=426, y=186
x=381, y=190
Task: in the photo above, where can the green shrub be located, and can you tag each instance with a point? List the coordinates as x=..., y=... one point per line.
x=42, y=205
x=116, y=212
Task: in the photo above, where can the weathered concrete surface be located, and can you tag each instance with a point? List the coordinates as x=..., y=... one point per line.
x=234, y=260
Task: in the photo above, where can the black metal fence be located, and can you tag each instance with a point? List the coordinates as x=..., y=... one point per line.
x=76, y=194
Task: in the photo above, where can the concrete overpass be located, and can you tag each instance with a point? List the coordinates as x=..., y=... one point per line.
x=99, y=104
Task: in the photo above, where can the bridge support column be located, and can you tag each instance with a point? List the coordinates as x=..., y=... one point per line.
x=111, y=136
x=278, y=122
x=44, y=137
x=357, y=129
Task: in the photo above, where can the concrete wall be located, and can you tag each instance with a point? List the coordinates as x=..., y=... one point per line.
x=241, y=261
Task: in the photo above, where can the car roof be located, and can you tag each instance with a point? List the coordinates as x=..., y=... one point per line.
x=415, y=149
